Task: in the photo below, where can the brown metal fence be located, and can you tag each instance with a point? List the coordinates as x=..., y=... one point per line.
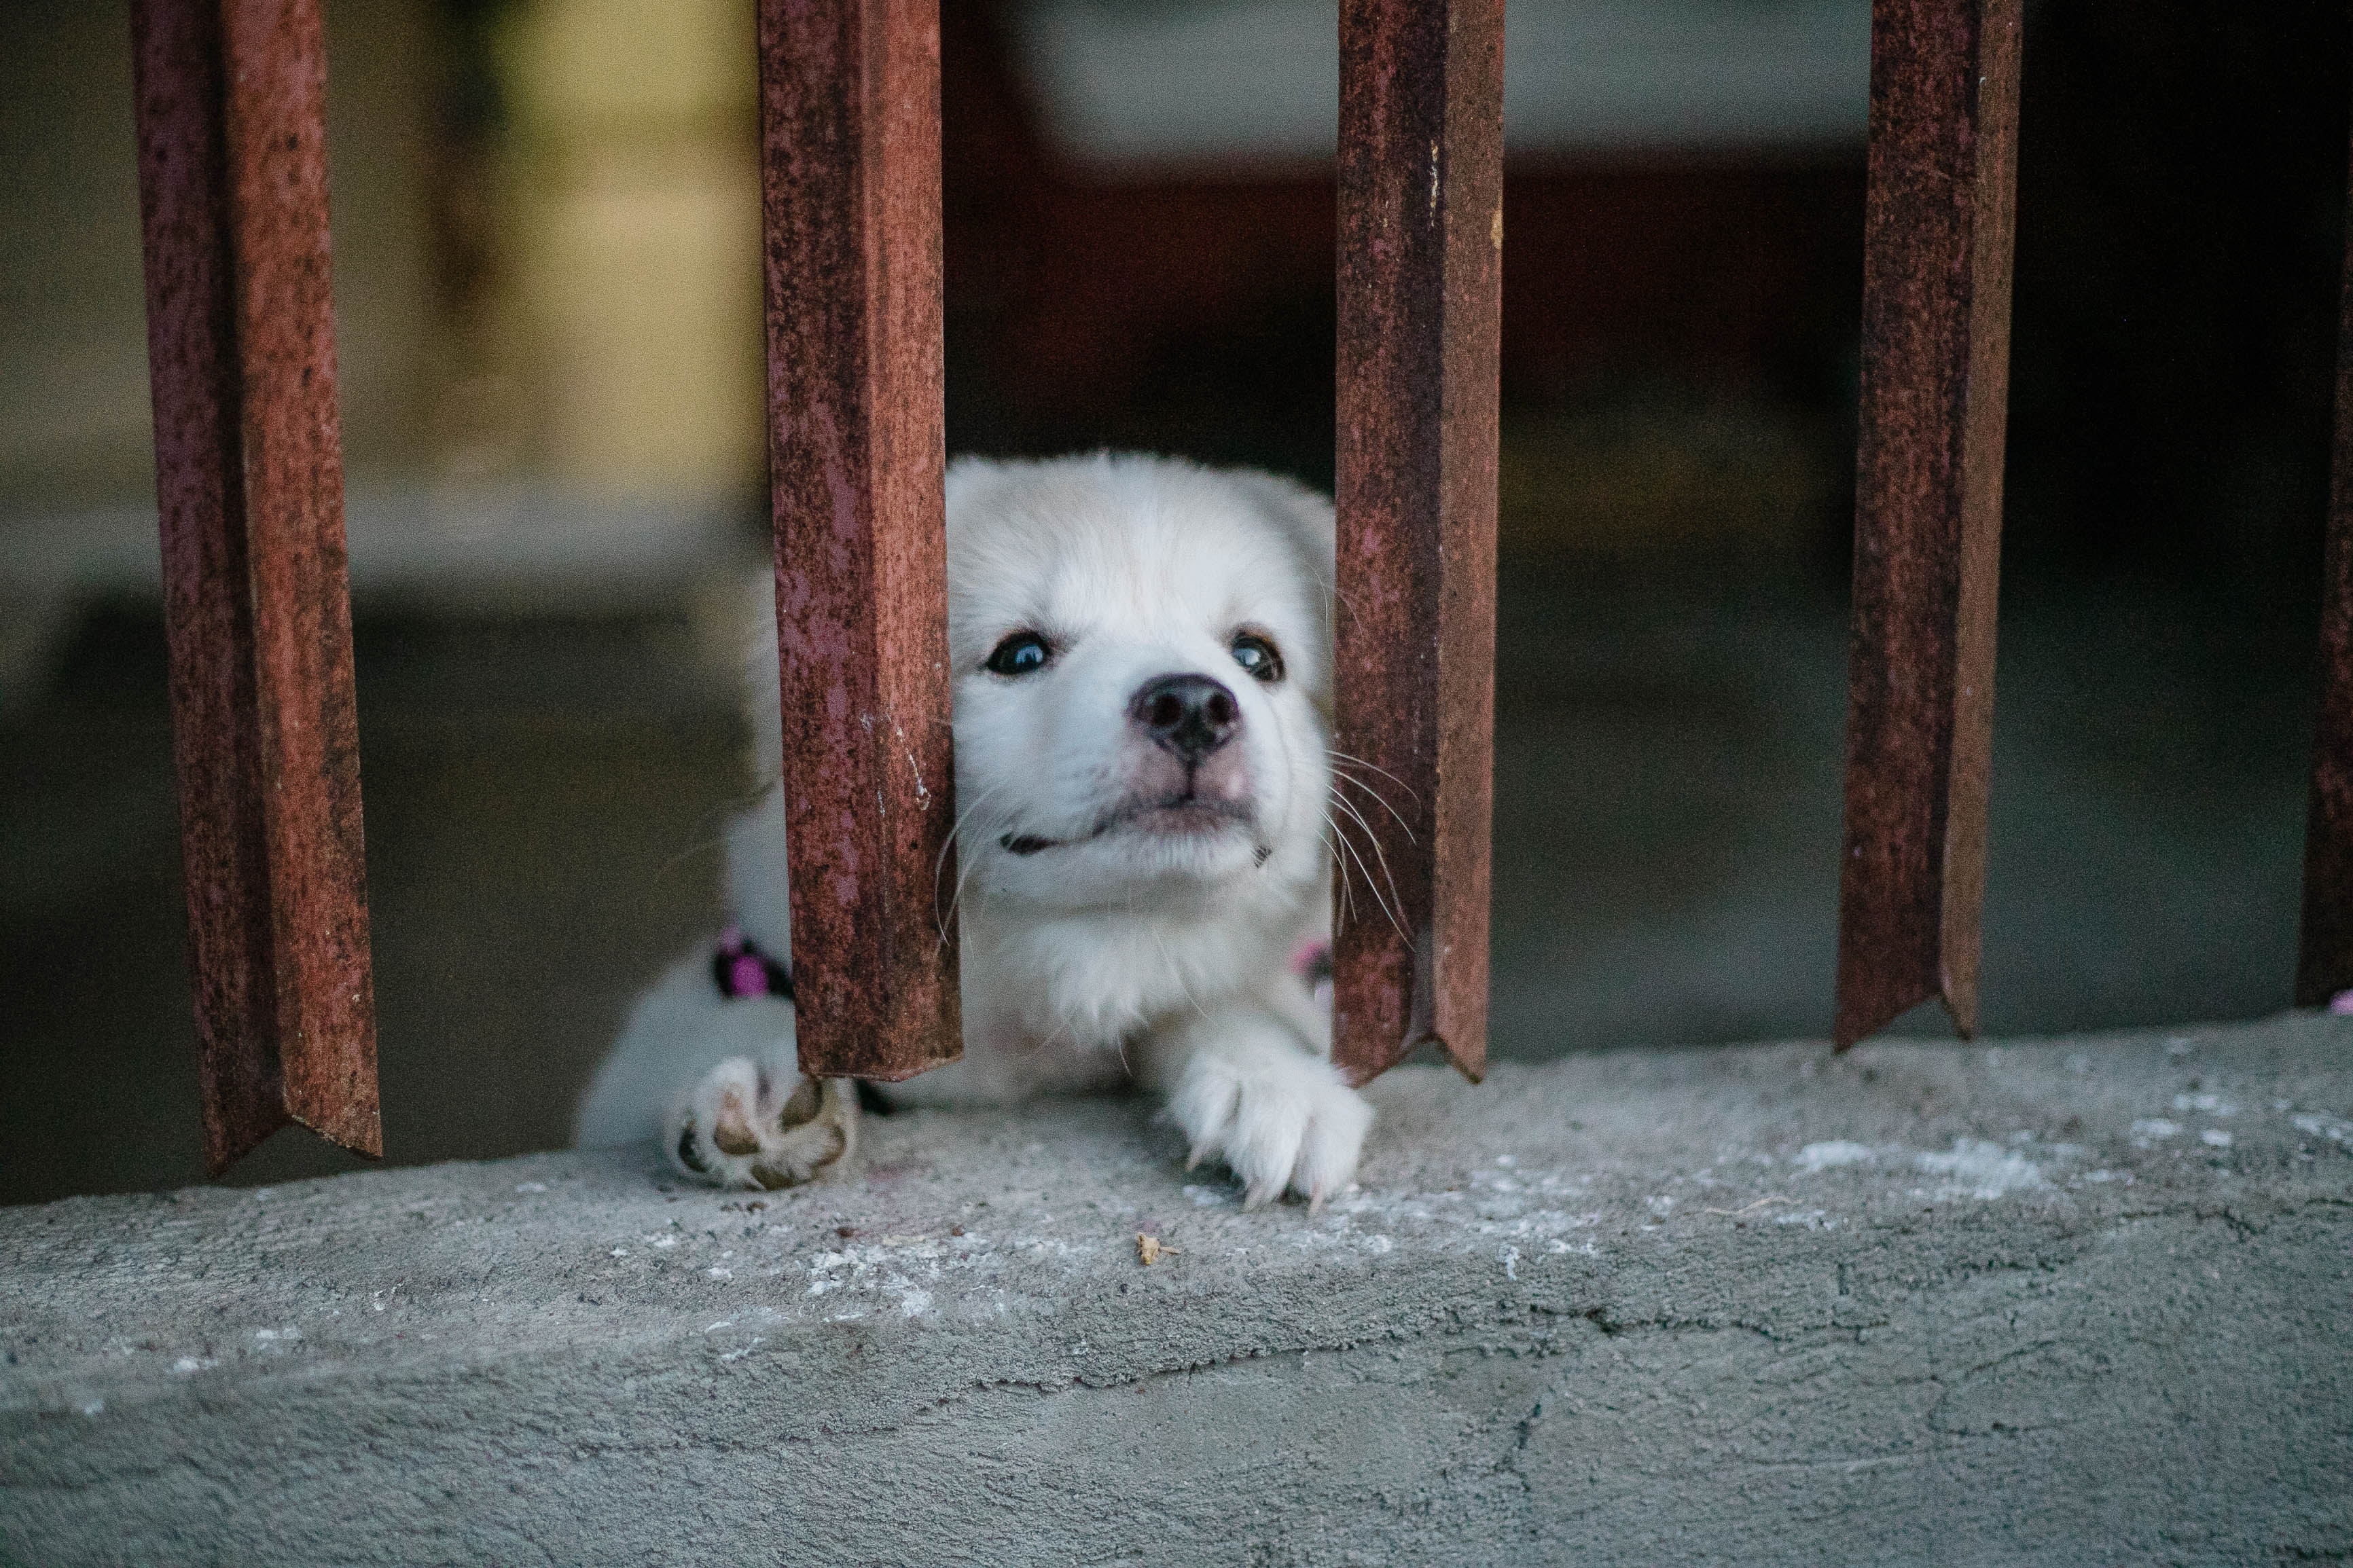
x=233, y=185
x=249, y=487
x=1421, y=250
x=1928, y=533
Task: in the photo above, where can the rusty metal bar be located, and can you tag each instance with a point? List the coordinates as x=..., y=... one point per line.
x=1421, y=236
x=850, y=166
x=2324, y=965
x=248, y=479
x=1927, y=535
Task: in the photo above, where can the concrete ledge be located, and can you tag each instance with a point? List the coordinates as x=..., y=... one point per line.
x=2073, y=1301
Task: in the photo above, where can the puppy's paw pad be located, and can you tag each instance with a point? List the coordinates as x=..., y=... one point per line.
x=740, y=1128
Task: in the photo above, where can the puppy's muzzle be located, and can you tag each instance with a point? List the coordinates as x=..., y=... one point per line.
x=1190, y=717
x=1187, y=716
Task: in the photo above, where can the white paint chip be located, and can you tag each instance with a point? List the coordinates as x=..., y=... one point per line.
x=1832, y=1154
x=1981, y=1170
x=2336, y=1129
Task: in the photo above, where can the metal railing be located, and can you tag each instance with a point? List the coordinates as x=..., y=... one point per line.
x=232, y=183
x=1928, y=533
x=249, y=493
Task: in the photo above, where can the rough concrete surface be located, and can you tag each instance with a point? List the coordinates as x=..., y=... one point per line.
x=2079, y=1300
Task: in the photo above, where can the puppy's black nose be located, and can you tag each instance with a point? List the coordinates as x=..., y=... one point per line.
x=1190, y=715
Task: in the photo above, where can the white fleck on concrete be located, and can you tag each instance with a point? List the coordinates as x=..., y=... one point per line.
x=1979, y=1169
x=2336, y=1129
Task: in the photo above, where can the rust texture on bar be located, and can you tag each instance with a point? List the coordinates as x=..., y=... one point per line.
x=1421, y=230
x=850, y=155
x=1928, y=534
x=2324, y=965
x=249, y=473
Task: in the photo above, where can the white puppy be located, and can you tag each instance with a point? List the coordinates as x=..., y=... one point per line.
x=1142, y=653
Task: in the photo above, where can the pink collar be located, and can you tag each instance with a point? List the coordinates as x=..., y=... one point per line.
x=740, y=969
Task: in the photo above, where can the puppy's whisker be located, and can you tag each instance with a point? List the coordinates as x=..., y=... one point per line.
x=1363, y=763
x=1375, y=840
x=964, y=862
x=688, y=853
x=1395, y=915
x=1335, y=842
x=1349, y=854
x=966, y=870
x=703, y=819
x=962, y=817
x=1342, y=601
x=1371, y=886
x=736, y=802
x=1342, y=776
x=1340, y=757
x=1347, y=894
x=1395, y=904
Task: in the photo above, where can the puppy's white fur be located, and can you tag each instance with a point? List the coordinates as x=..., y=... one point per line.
x=1108, y=935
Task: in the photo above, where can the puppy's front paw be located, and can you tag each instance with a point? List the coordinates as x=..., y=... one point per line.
x=741, y=1127
x=1278, y=1122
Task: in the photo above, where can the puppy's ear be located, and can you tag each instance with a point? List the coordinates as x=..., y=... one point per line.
x=969, y=477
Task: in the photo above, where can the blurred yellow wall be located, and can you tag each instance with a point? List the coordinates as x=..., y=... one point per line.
x=634, y=186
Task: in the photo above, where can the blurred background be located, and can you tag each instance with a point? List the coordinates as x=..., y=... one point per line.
x=546, y=272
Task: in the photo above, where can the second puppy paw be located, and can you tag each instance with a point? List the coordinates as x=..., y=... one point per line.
x=742, y=1127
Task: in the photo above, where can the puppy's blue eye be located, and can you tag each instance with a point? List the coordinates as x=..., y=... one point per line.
x=1023, y=653
x=1257, y=656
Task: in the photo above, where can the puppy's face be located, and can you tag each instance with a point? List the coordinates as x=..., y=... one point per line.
x=1142, y=664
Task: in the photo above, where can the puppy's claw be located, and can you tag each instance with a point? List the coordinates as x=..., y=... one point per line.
x=1281, y=1122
